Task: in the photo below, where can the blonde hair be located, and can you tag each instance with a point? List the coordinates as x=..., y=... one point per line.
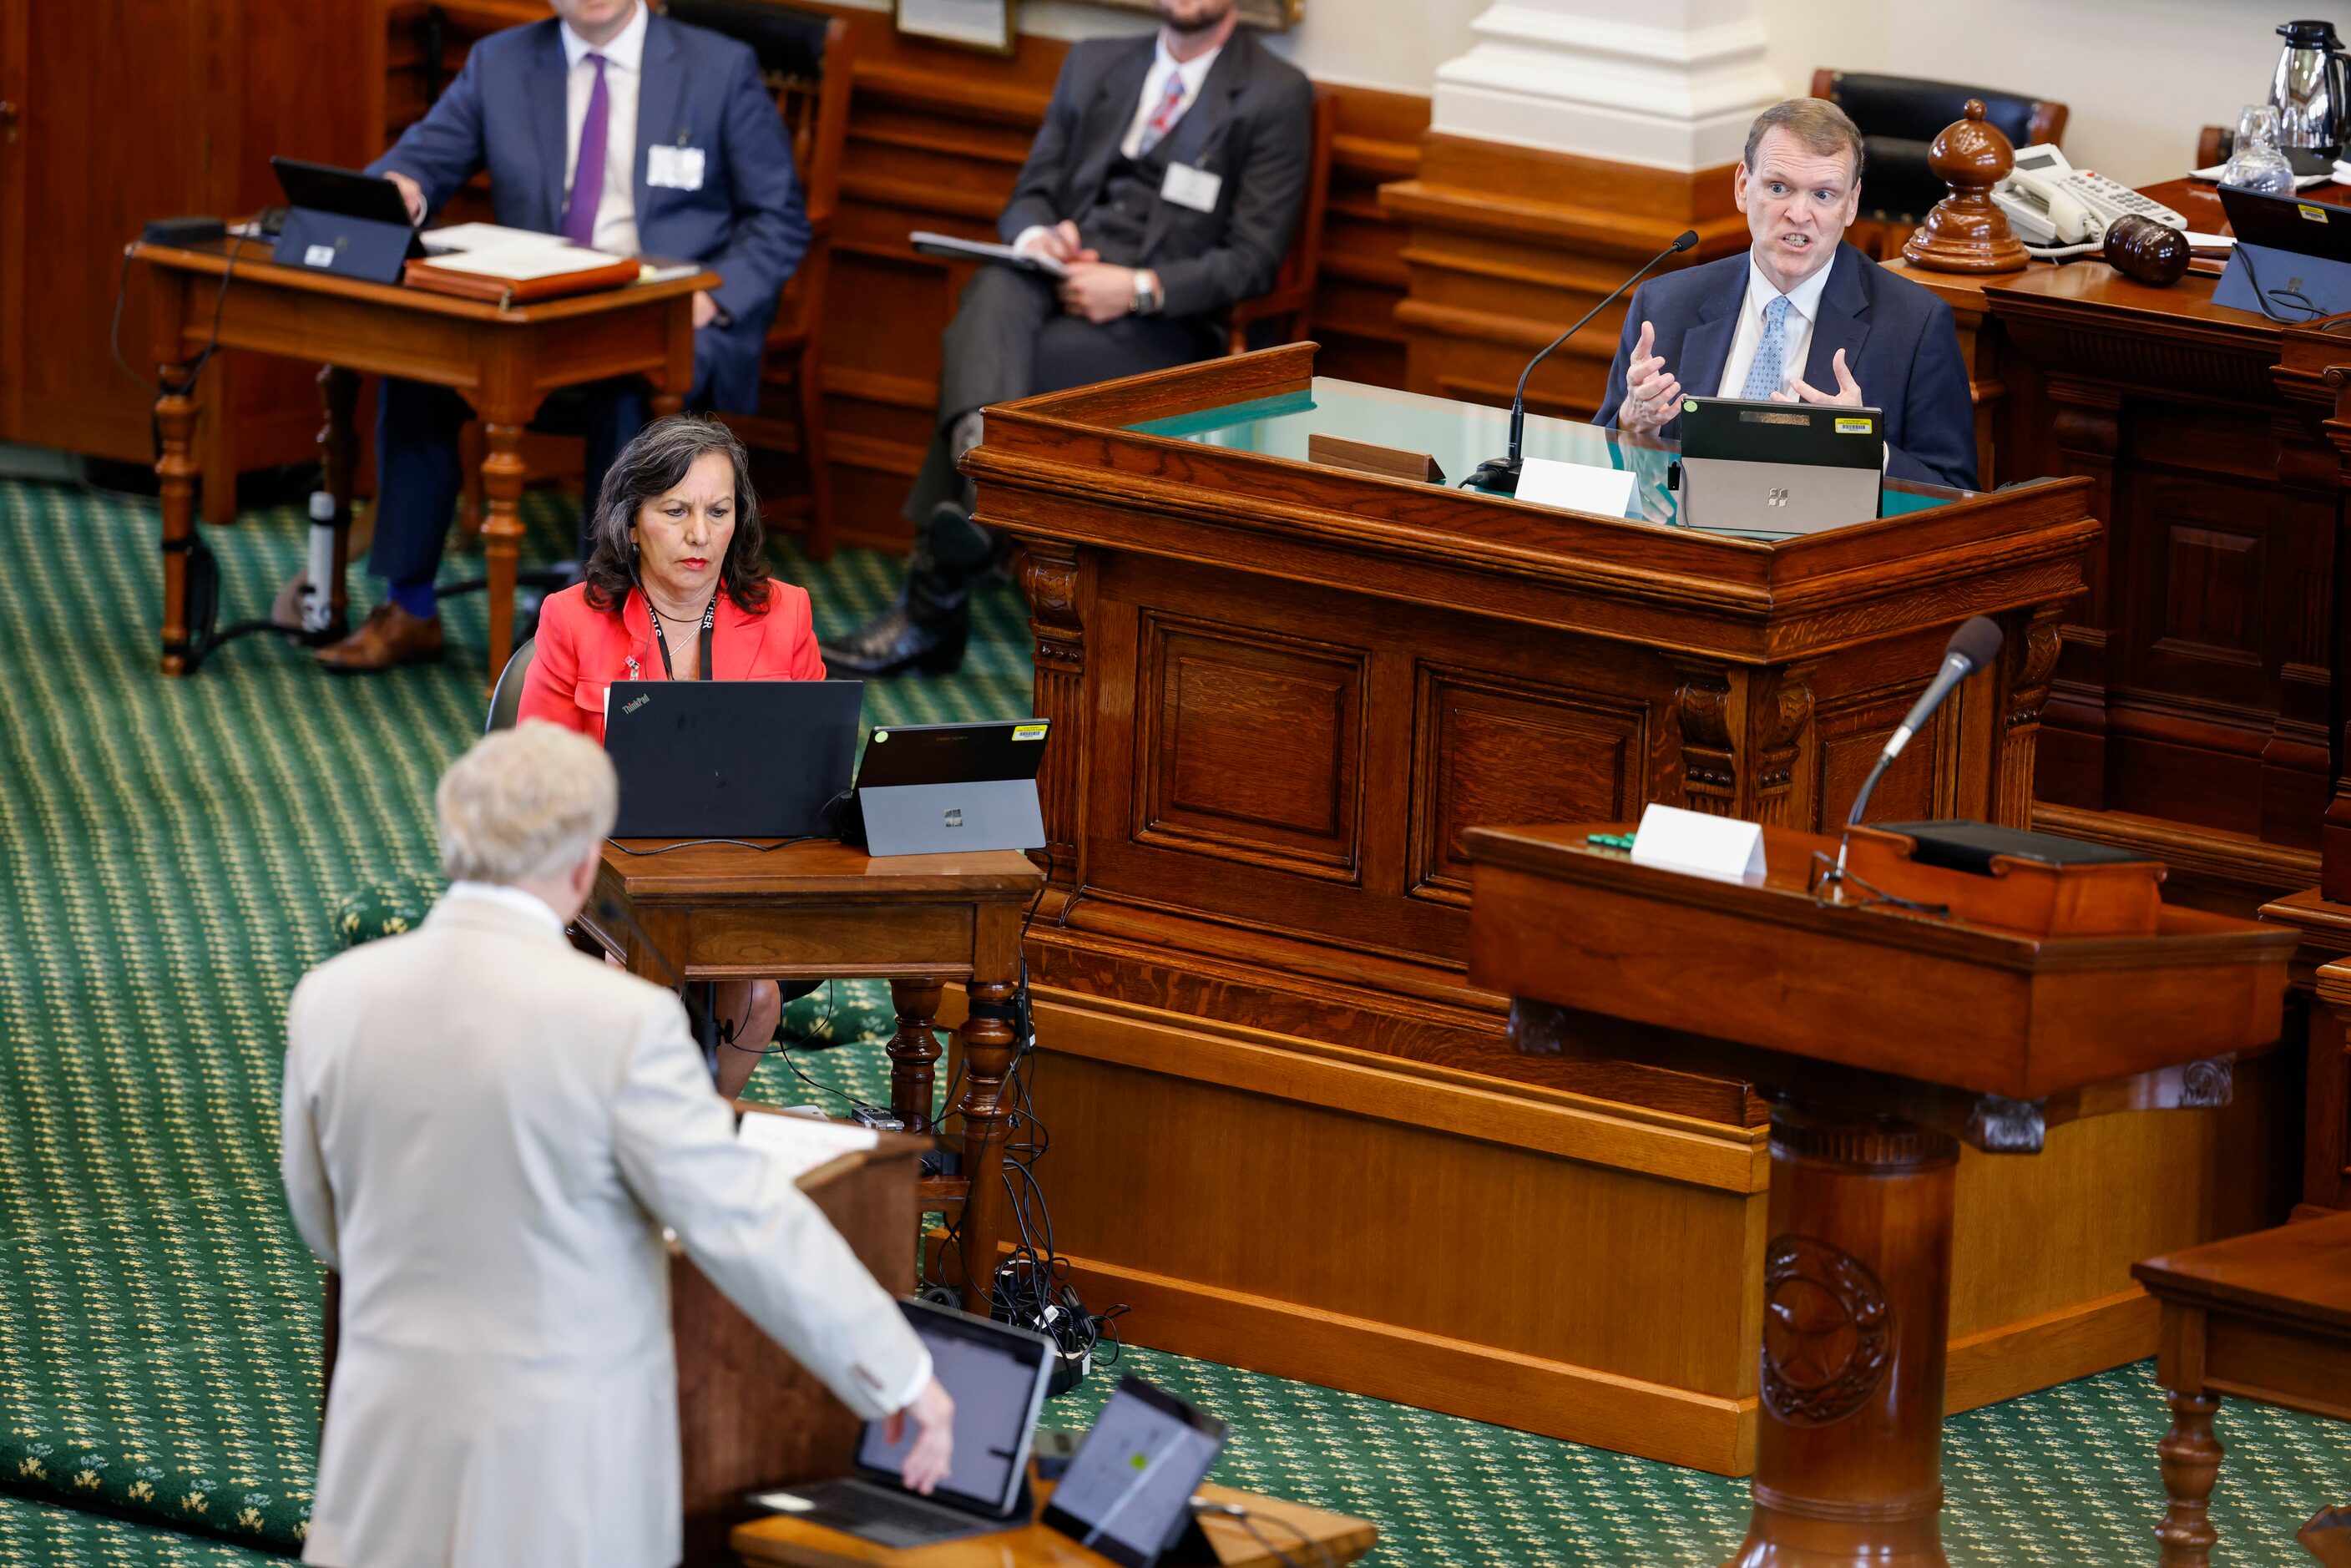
x=1821, y=126
x=524, y=804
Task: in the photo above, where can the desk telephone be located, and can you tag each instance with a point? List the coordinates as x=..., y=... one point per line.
x=2050, y=202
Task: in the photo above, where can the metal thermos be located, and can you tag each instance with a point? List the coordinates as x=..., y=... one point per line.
x=2312, y=87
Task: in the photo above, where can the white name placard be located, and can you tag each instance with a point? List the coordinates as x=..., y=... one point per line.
x=1576, y=486
x=1673, y=840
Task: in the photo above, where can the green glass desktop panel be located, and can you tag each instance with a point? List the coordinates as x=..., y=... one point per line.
x=1461, y=435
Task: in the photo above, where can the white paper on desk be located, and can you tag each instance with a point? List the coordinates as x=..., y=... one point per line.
x=521, y=263
x=800, y=1144
x=649, y=273
x=1577, y=486
x=482, y=236
x=2199, y=240
x=2211, y=176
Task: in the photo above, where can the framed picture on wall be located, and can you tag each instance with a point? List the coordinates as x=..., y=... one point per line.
x=1278, y=16
x=991, y=27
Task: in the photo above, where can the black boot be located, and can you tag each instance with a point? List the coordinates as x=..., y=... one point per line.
x=926, y=629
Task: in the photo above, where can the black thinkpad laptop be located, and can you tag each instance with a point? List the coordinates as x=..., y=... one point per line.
x=996, y=1375
x=734, y=759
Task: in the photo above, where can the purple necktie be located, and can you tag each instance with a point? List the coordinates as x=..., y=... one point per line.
x=587, y=169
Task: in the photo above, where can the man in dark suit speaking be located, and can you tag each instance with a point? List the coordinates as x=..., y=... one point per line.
x=1800, y=314
x=624, y=131
x=1168, y=178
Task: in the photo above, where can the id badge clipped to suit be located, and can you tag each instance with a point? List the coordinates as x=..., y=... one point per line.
x=1189, y=187
x=674, y=168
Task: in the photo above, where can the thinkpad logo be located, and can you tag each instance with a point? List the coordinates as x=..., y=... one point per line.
x=634, y=703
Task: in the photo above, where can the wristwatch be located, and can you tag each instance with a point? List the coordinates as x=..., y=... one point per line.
x=1147, y=300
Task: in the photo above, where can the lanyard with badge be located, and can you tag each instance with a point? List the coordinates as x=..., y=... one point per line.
x=709, y=625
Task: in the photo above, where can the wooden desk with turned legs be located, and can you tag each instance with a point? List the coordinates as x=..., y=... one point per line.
x=2265, y=1317
x=821, y=911
x=504, y=362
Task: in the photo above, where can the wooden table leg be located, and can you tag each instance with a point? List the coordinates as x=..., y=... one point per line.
x=913, y=1051
x=175, y=465
x=987, y=1061
x=1856, y=1308
x=502, y=476
x=2191, y=1459
x=175, y=471
x=339, y=395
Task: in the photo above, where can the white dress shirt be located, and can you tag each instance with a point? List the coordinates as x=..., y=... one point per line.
x=1803, y=310
x=1192, y=72
x=1154, y=85
x=624, y=60
x=512, y=898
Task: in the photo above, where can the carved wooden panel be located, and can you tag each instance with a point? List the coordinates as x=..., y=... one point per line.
x=1492, y=752
x=2199, y=611
x=1852, y=733
x=1249, y=747
x=2212, y=595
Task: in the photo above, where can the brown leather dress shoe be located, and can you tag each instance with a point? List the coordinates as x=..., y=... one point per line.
x=389, y=636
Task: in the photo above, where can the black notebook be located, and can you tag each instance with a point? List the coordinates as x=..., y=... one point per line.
x=1970, y=846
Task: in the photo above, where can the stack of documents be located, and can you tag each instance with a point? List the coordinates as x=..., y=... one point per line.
x=800, y=1144
x=509, y=267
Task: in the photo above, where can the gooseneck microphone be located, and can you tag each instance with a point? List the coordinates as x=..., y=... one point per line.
x=1971, y=647
x=1500, y=475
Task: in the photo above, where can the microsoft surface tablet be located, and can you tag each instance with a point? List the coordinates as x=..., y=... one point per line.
x=1128, y=1494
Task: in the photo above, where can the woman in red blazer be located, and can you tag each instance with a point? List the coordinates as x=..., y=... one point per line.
x=676, y=588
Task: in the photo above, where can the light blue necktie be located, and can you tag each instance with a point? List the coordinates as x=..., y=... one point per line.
x=1763, y=376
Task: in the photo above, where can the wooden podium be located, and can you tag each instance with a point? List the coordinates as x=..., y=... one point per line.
x=1885, y=1037
x=748, y=1416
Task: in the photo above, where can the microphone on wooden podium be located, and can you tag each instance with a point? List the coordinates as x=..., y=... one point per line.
x=1500, y=475
x=1971, y=647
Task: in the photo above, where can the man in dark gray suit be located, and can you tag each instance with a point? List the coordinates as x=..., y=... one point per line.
x=1167, y=180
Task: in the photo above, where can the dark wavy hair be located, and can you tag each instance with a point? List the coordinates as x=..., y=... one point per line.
x=649, y=466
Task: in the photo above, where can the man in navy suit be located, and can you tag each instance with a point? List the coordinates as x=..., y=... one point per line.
x=624, y=131
x=1800, y=314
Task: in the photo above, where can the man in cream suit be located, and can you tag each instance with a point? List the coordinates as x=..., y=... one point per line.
x=486, y=1132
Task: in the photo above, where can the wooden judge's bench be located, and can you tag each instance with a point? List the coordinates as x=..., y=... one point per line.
x=1287, y=1129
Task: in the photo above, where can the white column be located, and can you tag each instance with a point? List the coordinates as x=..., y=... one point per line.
x=1671, y=84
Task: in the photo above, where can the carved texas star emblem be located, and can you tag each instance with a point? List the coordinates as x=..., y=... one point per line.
x=1824, y=1332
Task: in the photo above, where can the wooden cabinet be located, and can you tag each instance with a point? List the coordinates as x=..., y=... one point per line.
x=135, y=110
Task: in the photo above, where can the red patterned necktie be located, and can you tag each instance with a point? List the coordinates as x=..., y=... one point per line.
x=1171, y=105
x=587, y=169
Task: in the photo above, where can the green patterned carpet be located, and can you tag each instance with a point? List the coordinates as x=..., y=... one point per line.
x=172, y=852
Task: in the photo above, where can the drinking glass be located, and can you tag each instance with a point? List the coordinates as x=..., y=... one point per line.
x=2256, y=163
